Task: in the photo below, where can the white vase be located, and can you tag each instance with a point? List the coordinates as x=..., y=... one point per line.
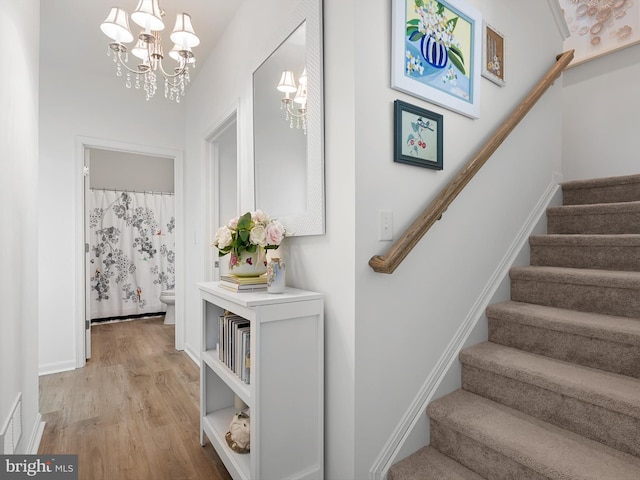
x=275, y=275
x=248, y=264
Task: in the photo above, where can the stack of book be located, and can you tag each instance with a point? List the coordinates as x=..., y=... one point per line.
x=243, y=284
x=234, y=344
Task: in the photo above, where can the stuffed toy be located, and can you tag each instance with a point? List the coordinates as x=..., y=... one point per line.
x=238, y=436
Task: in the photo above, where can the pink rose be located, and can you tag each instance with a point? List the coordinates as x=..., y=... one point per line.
x=274, y=233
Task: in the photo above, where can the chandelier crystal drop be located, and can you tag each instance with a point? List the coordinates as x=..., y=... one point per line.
x=148, y=50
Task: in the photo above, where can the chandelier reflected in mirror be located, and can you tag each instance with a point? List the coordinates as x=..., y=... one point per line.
x=295, y=108
x=148, y=48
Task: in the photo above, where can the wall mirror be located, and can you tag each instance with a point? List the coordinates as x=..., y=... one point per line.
x=288, y=126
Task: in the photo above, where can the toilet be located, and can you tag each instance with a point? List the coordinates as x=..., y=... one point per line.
x=168, y=297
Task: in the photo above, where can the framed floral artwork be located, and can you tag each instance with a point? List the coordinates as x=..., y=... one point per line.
x=493, y=55
x=599, y=28
x=418, y=136
x=436, y=53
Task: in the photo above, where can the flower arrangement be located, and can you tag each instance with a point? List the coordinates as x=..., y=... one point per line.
x=248, y=233
x=432, y=22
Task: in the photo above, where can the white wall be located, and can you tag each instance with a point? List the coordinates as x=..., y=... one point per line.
x=600, y=123
x=405, y=321
x=19, y=32
x=95, y=104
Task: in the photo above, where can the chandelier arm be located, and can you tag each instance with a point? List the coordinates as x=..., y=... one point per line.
x=171, y=76
x=297, y=115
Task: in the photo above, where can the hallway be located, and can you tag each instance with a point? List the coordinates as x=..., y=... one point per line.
x=132, y=412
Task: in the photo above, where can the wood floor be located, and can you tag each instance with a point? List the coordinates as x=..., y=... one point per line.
x=133, y=412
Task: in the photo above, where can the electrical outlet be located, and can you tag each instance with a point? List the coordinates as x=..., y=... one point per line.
x=385, y=225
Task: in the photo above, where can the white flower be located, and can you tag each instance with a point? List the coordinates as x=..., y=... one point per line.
x=260, y=217
x=223, y=237
x=258, y=235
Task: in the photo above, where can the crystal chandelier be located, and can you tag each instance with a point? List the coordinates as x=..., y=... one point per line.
x=287, y=85
x=148, y=48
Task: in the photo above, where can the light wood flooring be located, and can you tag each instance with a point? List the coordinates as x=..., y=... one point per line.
x=132, y=413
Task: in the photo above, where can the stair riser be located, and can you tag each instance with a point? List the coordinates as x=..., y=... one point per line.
x=598, y=257
x=601, y=224
x=592, y=421
x=476, y=456
x=624, y=302
x=609, y=194
x=588, y=351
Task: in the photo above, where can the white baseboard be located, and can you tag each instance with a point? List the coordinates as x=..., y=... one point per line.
x=418, y=407
x=36, y=436
x=56, y=367
x=193, y=354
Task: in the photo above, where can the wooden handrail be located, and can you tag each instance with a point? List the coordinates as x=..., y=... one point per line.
x=401, y=248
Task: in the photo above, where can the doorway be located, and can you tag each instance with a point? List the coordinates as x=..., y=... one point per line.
x=96, y=155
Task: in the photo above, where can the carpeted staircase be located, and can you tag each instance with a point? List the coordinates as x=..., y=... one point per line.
x=555, y=392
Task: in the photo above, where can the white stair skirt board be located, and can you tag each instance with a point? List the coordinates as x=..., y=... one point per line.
x=389, y=454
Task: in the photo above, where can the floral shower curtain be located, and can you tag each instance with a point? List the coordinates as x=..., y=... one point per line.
x=132, y=252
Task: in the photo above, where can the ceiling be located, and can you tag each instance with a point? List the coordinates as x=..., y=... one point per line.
x=70, y=32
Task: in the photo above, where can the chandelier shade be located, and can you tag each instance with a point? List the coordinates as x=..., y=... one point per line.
x=287, y=83
x=178, y=52
x=183, y=34
x=116, y=26
x=148, y=15
x=140, y=50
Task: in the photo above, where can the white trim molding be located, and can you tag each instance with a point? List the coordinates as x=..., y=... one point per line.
x=387, y=457
x=36, y=436
x=56, y=367
x=561, y=23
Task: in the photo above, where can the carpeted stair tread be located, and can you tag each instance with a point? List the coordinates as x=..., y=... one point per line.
x=589, y=240
x=601, y=190
x=577, y=276
x=595, y=209
x=597, y=218
x=614, y=392
x=550, y=451
x=602, y=252
x=594, y=325
x=429, y=464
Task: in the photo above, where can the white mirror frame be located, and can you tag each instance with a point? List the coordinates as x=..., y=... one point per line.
x=312, y=222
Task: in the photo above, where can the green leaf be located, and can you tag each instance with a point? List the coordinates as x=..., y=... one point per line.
x=416, y=36
x=456, y=61
x=411, y=30
x=419, y=3
x=440, y=8
x=454, y=22
x=414, y=22
x=244, y=222
x=457, y=52
x=243, y=235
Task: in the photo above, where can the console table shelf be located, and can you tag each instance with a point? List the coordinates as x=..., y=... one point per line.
x=286, y=382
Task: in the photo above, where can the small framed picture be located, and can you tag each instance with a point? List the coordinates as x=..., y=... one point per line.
x=418, y=136
x=493, y=55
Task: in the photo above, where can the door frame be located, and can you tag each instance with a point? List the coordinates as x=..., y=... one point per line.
x=82, y=144
x=211, y=196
